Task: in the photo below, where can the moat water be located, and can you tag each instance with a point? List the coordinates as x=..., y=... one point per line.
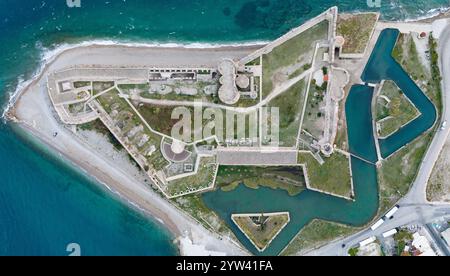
x=382, y=66
x=311, y=205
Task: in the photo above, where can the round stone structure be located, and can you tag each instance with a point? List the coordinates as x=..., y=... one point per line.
x=178, y=147
x=242, y=81
x=228, y=92
x=339, y=41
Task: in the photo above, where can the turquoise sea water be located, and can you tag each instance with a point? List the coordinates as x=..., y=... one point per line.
x=44, y=205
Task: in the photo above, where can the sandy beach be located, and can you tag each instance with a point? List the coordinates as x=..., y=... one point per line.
x=33, y=112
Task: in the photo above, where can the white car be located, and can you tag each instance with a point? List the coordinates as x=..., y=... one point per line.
x=444, y=125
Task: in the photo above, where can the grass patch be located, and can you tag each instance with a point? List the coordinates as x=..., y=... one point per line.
x=99, y=86
x=406, y=54
x=401, y=238
x=399, y=171
x=79, y=84
x=128, y=88
x=246, y=102
x=300, y=71
x=356, y=30
x=296, y=51
x=434, y=87
x=290, y=179
x=314, y=120
x=290, y=105
x=342, y=135
x=255, y=62
x=262, y=229
x=332, y=177
x=126, y=122
x=201, y=180
x=159, y=117
x=398, y=112
x=316, y=234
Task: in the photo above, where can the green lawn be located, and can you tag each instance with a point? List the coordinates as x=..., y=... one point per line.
x=290, y=105
x=255, y=62
x=290, y=179
x=79, y=84
x=356, y=30
x=332, y=177
x=128, y=88
x=298, y=50
x=202, y=180
x=405, y=53
x=401, y=238
x=342, y=136
x=159, y=117
x=316, y=234
x=246, y=102
x=398, y=112
x=399, y=171
x=300, y=71
x=112, y=98
x=100, y=86
x=313, y=121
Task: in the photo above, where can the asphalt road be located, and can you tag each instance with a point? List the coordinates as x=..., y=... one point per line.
x=417, y=194
x=406, y=215
x=440, y=243
x=414, y=206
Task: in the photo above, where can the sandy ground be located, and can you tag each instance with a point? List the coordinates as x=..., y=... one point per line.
x=438, y=186
x=148, y=56
x=34, y=113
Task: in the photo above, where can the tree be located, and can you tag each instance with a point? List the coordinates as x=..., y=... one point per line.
x=353, y=251
x=306, y=66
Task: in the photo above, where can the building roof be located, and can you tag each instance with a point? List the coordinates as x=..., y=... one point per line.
x=228, y=92
x=243, y=81
x=422, y=244
x=170, y=155
x=446, y=236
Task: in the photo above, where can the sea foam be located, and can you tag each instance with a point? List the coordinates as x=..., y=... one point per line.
x=47, y=56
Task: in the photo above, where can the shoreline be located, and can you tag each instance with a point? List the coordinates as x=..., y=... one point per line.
x=106, y=173
x=31, y=112
x=48, y=57
x=99, y=178
x=163, y=219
